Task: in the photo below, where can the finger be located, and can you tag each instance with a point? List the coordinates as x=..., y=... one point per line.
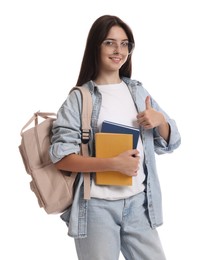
x=140, y=120
x=134, y=173
x=140, y=115
x=134, y=152
x=147, y=102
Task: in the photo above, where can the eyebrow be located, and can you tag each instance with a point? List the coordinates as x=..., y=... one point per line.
x=116, y=40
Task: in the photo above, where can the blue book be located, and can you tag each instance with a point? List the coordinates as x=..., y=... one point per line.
x=112, y=127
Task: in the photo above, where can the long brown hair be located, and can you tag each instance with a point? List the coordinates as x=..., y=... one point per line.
x=97, y=34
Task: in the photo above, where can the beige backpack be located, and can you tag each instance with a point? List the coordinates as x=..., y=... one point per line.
x=53, y=188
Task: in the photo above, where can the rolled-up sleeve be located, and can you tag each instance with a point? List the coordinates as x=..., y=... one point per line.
x=66, y=130
x=160, y=145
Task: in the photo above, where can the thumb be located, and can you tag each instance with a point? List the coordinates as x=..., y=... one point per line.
x=147, y=102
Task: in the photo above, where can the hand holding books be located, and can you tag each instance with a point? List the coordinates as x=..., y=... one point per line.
x=129, y=161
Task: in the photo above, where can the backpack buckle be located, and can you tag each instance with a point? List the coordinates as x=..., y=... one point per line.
x=85, y=136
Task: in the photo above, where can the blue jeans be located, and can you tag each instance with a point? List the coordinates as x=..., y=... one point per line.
x=119, y=225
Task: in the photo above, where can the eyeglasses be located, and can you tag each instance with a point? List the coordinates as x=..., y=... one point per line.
x=125, y=46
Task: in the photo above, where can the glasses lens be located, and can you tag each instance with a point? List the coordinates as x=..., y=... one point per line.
x=130, y=47
x=125, y=45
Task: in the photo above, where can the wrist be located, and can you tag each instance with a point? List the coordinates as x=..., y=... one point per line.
x=163, y=120
x=112, y=163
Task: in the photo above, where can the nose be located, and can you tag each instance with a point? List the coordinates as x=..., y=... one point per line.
x=116, y=52
x=117, y=48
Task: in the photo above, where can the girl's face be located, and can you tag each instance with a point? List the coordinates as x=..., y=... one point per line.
x=114, y=50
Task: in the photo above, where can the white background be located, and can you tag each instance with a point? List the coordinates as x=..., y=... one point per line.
x=41, y=47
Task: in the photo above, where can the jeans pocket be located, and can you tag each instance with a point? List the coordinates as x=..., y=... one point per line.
x=66, y=216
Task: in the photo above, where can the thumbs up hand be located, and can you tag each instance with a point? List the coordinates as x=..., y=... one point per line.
x=150, y=118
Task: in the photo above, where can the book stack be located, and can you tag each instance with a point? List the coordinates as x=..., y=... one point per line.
x=111, y=127
x=111, y=141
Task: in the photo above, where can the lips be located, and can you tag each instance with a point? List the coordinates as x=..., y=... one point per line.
x=116, y=59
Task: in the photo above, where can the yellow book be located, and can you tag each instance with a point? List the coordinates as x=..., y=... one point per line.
x=110, y=145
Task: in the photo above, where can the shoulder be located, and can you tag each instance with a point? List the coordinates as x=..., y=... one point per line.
x=132, y=82
x=83, y=90
x=135, y=85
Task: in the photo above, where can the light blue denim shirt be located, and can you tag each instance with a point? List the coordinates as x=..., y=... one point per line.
x=66, y=139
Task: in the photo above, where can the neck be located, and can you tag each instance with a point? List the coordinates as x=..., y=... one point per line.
x=107, y=79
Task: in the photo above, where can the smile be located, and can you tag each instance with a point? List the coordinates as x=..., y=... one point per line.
x=116, y=59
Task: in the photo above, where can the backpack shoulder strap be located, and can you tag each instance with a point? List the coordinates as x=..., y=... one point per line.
x=87, y=108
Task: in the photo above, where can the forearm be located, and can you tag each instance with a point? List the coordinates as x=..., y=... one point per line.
x=78, y=163
x=126, y=163
x=164, y=130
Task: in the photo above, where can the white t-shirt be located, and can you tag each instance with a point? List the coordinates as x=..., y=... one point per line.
x=118, y=106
